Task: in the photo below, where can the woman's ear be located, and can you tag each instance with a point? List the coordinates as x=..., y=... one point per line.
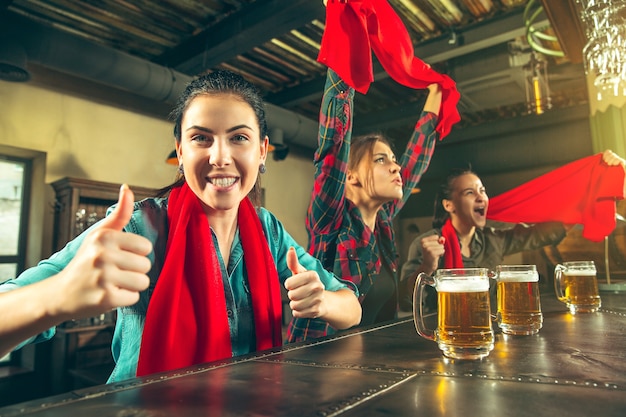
x=352, y=178
x=264, y=148
x=447, y=205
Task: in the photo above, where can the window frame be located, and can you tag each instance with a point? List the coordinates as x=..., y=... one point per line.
x=20, y=257
x=32, y=241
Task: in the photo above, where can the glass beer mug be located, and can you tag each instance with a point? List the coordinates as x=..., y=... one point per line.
x=519, y=303
x=464, y=313
x=576, y=285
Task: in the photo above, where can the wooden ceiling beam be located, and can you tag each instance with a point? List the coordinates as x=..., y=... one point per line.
x=240, y=32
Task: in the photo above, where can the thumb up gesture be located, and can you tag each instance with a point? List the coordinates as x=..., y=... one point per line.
x=109, y=269
x=304, y=289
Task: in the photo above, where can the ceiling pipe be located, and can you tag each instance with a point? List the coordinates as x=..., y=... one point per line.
x=54, y=49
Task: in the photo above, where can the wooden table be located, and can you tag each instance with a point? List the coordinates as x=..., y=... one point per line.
x=575, y=366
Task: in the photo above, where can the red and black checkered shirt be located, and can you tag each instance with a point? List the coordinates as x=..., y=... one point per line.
x=337, y=233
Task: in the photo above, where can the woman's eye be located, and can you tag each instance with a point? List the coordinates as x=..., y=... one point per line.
x=200, y=138
x=239, y=138
x=379, y=160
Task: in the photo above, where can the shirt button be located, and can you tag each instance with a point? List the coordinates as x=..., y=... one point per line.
x=230, y=313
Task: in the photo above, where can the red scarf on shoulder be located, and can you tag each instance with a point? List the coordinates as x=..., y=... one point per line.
x=355, y=26
x=186, y=322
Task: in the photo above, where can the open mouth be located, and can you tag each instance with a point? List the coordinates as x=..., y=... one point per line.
x=480, y=211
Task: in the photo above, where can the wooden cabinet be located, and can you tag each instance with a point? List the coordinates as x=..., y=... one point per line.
x=81, y=357
x=81, y=349
x=80, y=203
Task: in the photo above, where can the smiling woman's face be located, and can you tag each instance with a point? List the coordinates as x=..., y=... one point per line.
x=221, y=149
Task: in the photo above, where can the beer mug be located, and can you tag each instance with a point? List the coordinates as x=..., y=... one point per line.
x=464, y=313
x=519, y=304
x=576, y=285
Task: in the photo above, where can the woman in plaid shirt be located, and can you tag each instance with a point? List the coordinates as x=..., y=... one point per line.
x=359, y=188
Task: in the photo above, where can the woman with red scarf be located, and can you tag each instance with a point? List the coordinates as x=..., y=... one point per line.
x=217, y=260
x=460, y=237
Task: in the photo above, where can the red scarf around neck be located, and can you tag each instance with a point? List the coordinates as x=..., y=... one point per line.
x=186, y=322
x=355, y=26
x=452, y=247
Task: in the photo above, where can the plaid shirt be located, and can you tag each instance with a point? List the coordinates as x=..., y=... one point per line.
x=337, y=233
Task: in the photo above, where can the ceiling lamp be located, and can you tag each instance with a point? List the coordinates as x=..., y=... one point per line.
x=537, y=87
x=12, y=62
x=604, y=55
x=536, y=70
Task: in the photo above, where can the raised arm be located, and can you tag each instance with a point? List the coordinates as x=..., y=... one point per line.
x=331, y=157
x=433, y=101
x=420, y=148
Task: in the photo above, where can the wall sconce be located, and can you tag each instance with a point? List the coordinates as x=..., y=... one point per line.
x=13, y=62
x=277, y=145
x=172, y=158
x=537, y=88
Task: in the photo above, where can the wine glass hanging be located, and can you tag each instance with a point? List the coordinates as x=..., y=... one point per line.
x=604, y=55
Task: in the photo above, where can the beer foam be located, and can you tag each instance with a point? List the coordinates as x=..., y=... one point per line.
x=518, y=276
x=463, y=285
x=580, y=273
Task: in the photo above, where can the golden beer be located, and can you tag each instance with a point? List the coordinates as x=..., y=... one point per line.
x=577, y=286
x=519, y=303
x=464, y=313
x=581, y=290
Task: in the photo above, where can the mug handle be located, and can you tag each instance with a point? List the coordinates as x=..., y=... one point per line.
x=558, y=274
x=418, y=308
x=494, y=276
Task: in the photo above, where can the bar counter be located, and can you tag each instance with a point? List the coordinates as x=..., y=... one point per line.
x=575, y=366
